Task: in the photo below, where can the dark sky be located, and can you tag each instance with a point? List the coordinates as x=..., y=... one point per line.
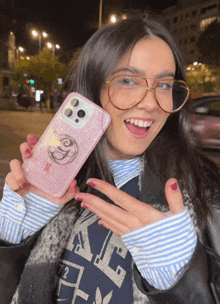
x=71, y=22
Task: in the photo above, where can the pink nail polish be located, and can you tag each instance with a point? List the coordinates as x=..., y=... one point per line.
x=33, y=140
x=25, y=185
x=174, y=186
x=92, y=184
x=78, y=198
x=84, y=206
x=27, y=152
x=101, y=223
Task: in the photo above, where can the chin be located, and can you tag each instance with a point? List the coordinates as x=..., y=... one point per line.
x=125, y=154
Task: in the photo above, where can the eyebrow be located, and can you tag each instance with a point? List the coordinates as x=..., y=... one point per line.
x=139, y=72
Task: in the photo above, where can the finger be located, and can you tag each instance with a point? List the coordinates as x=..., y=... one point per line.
x=117, y=229
x=72, y=186
x=12, y=182
x=25, y=151
x=109, y=212
x=102, y=208
x=18, y=173
x=120, y=198
x=174, y=196
x=32, y=140
x=69, y=195
x=71, y=191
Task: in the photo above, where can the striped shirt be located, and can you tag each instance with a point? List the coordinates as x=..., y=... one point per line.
x=160, y=249
x=123, y=171
x=21, y=217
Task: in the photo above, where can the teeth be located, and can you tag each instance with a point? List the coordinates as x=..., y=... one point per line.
x=140, y=123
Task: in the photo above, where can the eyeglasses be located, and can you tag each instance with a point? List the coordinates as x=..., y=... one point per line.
x=126, y=91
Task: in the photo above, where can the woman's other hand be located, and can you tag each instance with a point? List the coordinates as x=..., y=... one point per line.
x=17, y=181
x=133, y=213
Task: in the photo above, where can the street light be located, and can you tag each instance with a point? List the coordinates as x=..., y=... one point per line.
x=53, y=47
x=113, y=18
x=19, y=49
x=44, y=34
x=100, y=13
x=39, y=34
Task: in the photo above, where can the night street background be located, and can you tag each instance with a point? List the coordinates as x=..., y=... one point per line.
x=70, y=23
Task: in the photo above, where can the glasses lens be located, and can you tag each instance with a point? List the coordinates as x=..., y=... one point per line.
x=171, y=94
x=126, y=91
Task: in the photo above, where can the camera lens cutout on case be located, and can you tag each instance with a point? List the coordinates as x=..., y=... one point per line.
x=74, y=102
x=81, y=113
x=68, y=112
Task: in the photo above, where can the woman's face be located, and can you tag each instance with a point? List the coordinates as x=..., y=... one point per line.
x=153, y=59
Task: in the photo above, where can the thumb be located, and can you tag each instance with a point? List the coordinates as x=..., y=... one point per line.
x=174, y=196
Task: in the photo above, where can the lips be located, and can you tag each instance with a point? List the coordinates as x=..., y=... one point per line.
x=138, y=128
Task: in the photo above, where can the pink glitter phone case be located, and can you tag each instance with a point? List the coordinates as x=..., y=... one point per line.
x=65, y=145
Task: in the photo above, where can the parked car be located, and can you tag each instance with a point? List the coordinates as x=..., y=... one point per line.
x=205, y=121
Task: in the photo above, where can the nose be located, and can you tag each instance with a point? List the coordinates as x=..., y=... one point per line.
x=149, y=103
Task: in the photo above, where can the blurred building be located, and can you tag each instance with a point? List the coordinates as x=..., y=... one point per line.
x=187, y=20
x=7, y=55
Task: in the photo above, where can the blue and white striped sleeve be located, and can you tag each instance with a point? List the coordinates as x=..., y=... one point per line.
x=161, y=249
x=21, y=217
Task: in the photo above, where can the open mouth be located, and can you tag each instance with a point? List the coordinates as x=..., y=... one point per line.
x=139, y=123
x=138, y=127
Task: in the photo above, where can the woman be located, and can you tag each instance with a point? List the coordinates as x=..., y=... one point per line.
x=136, y=232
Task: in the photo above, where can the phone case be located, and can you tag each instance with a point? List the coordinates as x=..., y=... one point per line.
x=65, y=145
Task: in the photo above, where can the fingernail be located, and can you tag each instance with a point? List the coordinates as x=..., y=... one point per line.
x=90, y=183
x=101, y=223
x=174, y=186
x=25, y=185
x=33, y=139
x=72, y=185
x=27, y=152
x=84, y=206
x=79, y=198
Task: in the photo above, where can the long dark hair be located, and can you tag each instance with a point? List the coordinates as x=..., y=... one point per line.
x=176, y=157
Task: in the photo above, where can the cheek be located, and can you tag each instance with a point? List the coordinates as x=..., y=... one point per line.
x=116, y=115
x=162, y=120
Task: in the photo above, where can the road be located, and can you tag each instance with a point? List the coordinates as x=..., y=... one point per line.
x=14, y=128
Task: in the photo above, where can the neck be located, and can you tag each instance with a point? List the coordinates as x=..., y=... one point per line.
x=114, y=154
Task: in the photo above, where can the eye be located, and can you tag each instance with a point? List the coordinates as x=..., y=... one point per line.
x=126, y=81
x=165, y=85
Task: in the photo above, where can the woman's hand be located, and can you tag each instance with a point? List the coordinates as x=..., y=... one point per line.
x=17, y=182
x=133, y=213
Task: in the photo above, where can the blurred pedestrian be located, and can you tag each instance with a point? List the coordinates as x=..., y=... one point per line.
x=42, y=101
x=51, y=100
